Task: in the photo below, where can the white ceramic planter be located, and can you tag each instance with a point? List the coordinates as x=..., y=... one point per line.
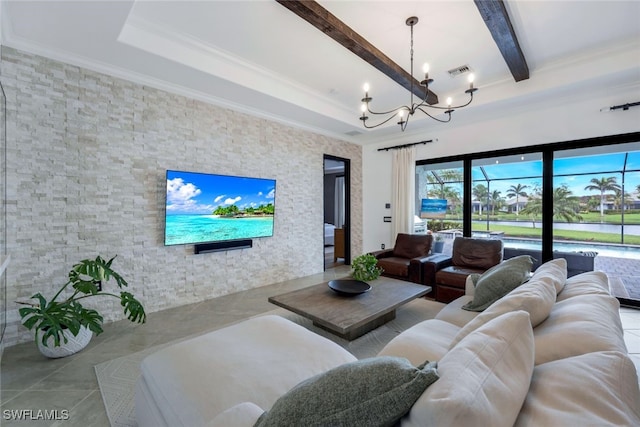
x=73, y=345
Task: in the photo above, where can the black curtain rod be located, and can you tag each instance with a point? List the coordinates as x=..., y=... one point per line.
x=397, y=147
x=623, y=107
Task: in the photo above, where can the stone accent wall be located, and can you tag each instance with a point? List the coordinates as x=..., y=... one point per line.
x=87, y=155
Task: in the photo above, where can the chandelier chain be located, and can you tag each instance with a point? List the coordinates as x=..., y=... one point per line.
x=411, y=58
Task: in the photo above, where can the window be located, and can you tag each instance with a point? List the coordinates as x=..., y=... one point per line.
x=506, y=202
x=597, y=197
x=439, y=195
x=579, y=200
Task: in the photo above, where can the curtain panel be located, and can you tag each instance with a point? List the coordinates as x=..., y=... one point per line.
x=403, y=191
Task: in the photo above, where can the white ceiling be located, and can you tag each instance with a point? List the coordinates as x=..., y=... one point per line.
x=258, y=57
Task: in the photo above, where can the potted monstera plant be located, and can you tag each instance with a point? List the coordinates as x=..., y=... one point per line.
x=62, y=325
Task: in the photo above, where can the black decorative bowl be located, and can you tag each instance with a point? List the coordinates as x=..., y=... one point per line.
x=349, y=287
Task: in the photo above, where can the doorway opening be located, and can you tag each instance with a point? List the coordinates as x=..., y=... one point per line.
x=337, y=211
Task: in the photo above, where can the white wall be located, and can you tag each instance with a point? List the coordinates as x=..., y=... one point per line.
x=558, y=118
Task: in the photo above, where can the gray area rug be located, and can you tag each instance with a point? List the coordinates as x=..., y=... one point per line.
x=117, y=378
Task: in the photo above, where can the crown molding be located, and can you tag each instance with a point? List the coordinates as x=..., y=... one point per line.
x=192, y=52
x=15, y=42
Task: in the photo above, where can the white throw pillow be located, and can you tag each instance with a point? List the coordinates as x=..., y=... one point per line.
x=454, y=314
x=579, y=325
x=428, y=340
x=554, y=271
x=536, y=297
x=589, y=283
x=483, y=380
x=593, y=389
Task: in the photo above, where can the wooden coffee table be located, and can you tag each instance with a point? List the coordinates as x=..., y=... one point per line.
x=351, y=316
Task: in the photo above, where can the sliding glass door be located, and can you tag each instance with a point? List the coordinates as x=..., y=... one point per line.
x=506, y=202
x=579, y=200
x=597, y=197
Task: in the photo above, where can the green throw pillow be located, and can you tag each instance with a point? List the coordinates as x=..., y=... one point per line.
x=498, y=281
x=371, y=392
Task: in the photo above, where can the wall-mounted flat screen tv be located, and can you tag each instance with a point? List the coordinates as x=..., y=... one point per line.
x=203, y=208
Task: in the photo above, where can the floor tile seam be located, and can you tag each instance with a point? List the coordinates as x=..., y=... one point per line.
x=14, y=397
x=50, y=390
x=50, y=374
x=34, y=387
x=74, y=407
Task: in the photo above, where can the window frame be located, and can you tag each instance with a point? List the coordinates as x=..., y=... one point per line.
x=547, y=150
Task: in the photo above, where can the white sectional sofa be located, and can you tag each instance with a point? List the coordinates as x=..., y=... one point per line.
x=549, y=353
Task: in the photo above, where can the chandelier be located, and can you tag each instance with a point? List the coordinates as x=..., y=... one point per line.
x=406, y=111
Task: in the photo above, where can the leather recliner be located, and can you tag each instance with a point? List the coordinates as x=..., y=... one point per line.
x=469, y=256
x=407, y=258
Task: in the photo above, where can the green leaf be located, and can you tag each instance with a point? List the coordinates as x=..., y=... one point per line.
x=97, y=270
x=89, y=318
x=30, y=321
x=86, y=287
x=133, y=309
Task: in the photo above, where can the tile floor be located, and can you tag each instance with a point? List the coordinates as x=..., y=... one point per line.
x=30, y=381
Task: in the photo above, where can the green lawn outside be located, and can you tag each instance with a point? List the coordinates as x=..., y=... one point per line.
x=632, y=218
x=581, y=236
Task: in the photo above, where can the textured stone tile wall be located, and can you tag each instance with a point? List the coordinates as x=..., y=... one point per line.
x=87, y=155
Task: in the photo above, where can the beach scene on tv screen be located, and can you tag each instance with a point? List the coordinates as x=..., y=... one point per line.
x=209, y=208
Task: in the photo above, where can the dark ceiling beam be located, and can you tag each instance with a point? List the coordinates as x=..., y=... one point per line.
x=323, y=20
x=497, y=20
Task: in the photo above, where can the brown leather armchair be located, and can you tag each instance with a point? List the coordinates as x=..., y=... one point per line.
x=407, y=258
x=469, y=256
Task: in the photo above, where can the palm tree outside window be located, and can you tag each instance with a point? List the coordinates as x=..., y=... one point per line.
x=517, y=191
x=603, y=185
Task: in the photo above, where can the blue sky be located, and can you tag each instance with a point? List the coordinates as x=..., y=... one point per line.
x=566, y=170
x=198, y=193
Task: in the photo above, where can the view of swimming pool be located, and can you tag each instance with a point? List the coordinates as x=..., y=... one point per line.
x=620, y=251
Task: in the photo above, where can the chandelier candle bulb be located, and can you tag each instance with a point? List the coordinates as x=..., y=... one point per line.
x=471, y=78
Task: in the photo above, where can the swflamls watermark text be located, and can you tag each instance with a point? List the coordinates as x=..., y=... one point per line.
x=35, y=414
